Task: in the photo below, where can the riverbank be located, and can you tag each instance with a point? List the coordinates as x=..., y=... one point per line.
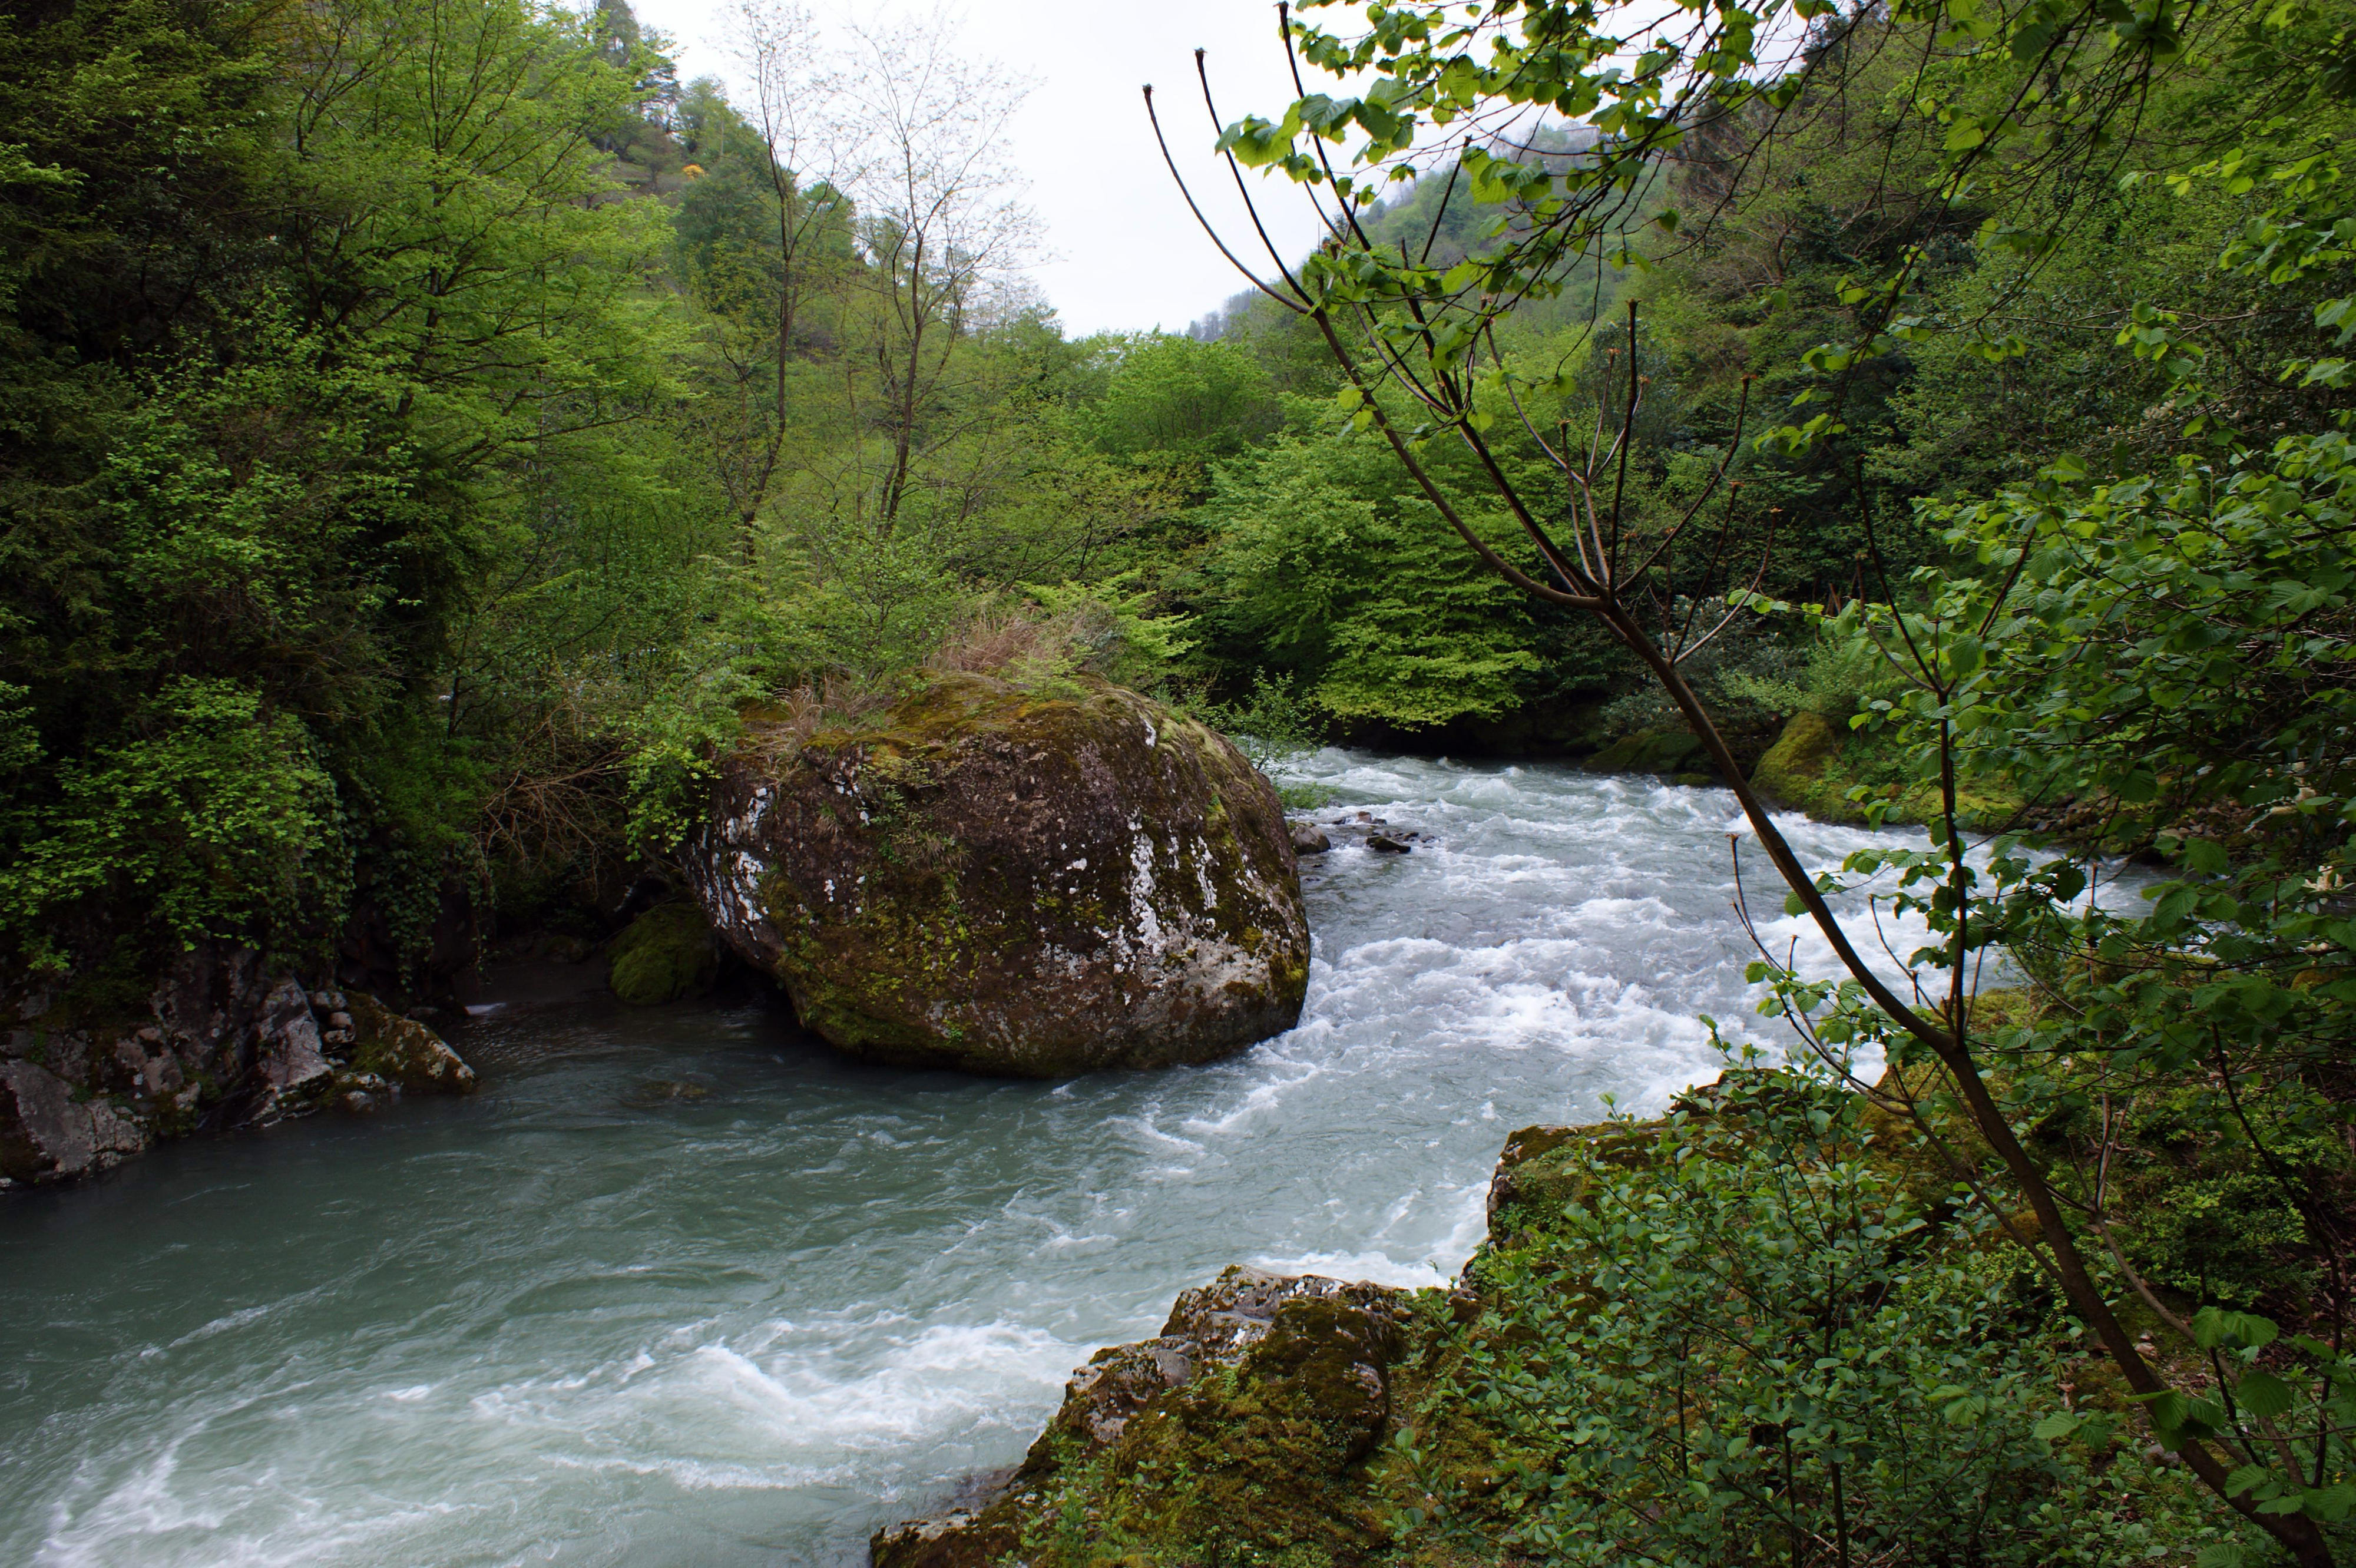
x=1769, y=1315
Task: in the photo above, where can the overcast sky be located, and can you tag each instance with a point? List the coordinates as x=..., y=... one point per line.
x=1123, y=252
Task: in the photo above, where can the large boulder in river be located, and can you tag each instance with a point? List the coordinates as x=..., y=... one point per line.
x=1034, y=883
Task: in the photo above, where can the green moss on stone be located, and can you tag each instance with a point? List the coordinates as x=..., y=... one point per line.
x=667, y=953
x=1650, y=751
x=404, y=1051
x=954, y=881
x=1818, y=762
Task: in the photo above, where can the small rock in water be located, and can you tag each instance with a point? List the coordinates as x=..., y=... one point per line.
x=358, y=1101
x=1382, y=843
x=1308, y=838
x=404, y=1052
x=667, y=1091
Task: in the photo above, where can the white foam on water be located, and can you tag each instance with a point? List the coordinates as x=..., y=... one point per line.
x=554, y=1325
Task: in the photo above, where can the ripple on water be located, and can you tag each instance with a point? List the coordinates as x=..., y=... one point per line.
x=685, y=1287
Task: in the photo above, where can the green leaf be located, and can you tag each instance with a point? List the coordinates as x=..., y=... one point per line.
x=2206, y=856
x=2263, y=1394
x=2245, y=1478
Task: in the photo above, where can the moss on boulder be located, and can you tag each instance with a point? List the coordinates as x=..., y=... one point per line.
x=1792, y=773
x=1672, y=751
x=1030, y=883
x=1817, y=761
x=667, y=953
x=1239, y=1434
x=403, y=1051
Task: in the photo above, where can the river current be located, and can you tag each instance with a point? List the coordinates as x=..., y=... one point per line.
x=685, y=1287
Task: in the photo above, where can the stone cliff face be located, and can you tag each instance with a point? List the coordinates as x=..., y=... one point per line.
x=1012, y=881
x=91, y=1073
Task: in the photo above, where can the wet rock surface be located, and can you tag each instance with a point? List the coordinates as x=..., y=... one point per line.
x=1000, y=880
x=1242, y=1422
x=96, y=1067
x=1377, y=835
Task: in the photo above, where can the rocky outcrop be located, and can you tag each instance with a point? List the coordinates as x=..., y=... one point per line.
x=99, y=1066
x=1241, y=1425
x=1012, y=881
x=46, y=1131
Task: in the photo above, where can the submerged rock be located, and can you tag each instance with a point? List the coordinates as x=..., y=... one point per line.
x=1244, y=1422
x=665, y=954
x=1014, y=882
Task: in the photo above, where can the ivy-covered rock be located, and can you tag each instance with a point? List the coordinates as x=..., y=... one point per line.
x=667, y=953
x=1236, y=1434
x=1012, y=881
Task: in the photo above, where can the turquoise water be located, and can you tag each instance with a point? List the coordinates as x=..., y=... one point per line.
x=684, y=1287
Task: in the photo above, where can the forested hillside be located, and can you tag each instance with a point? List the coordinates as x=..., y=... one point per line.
x=420, y=452
x=429, y=424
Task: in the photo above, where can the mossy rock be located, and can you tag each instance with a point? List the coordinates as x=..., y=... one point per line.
x=1548, y=1167
x=404, y=1051
x=1012, y=881
x=1817, y=761
x=1241, y=1433
x=1795, y=771
x=665, y=954
x=1672, y=751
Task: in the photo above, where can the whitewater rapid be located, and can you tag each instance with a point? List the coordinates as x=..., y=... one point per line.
x=685, y=1287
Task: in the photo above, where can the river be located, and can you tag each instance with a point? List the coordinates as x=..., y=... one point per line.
x=685, y=1287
